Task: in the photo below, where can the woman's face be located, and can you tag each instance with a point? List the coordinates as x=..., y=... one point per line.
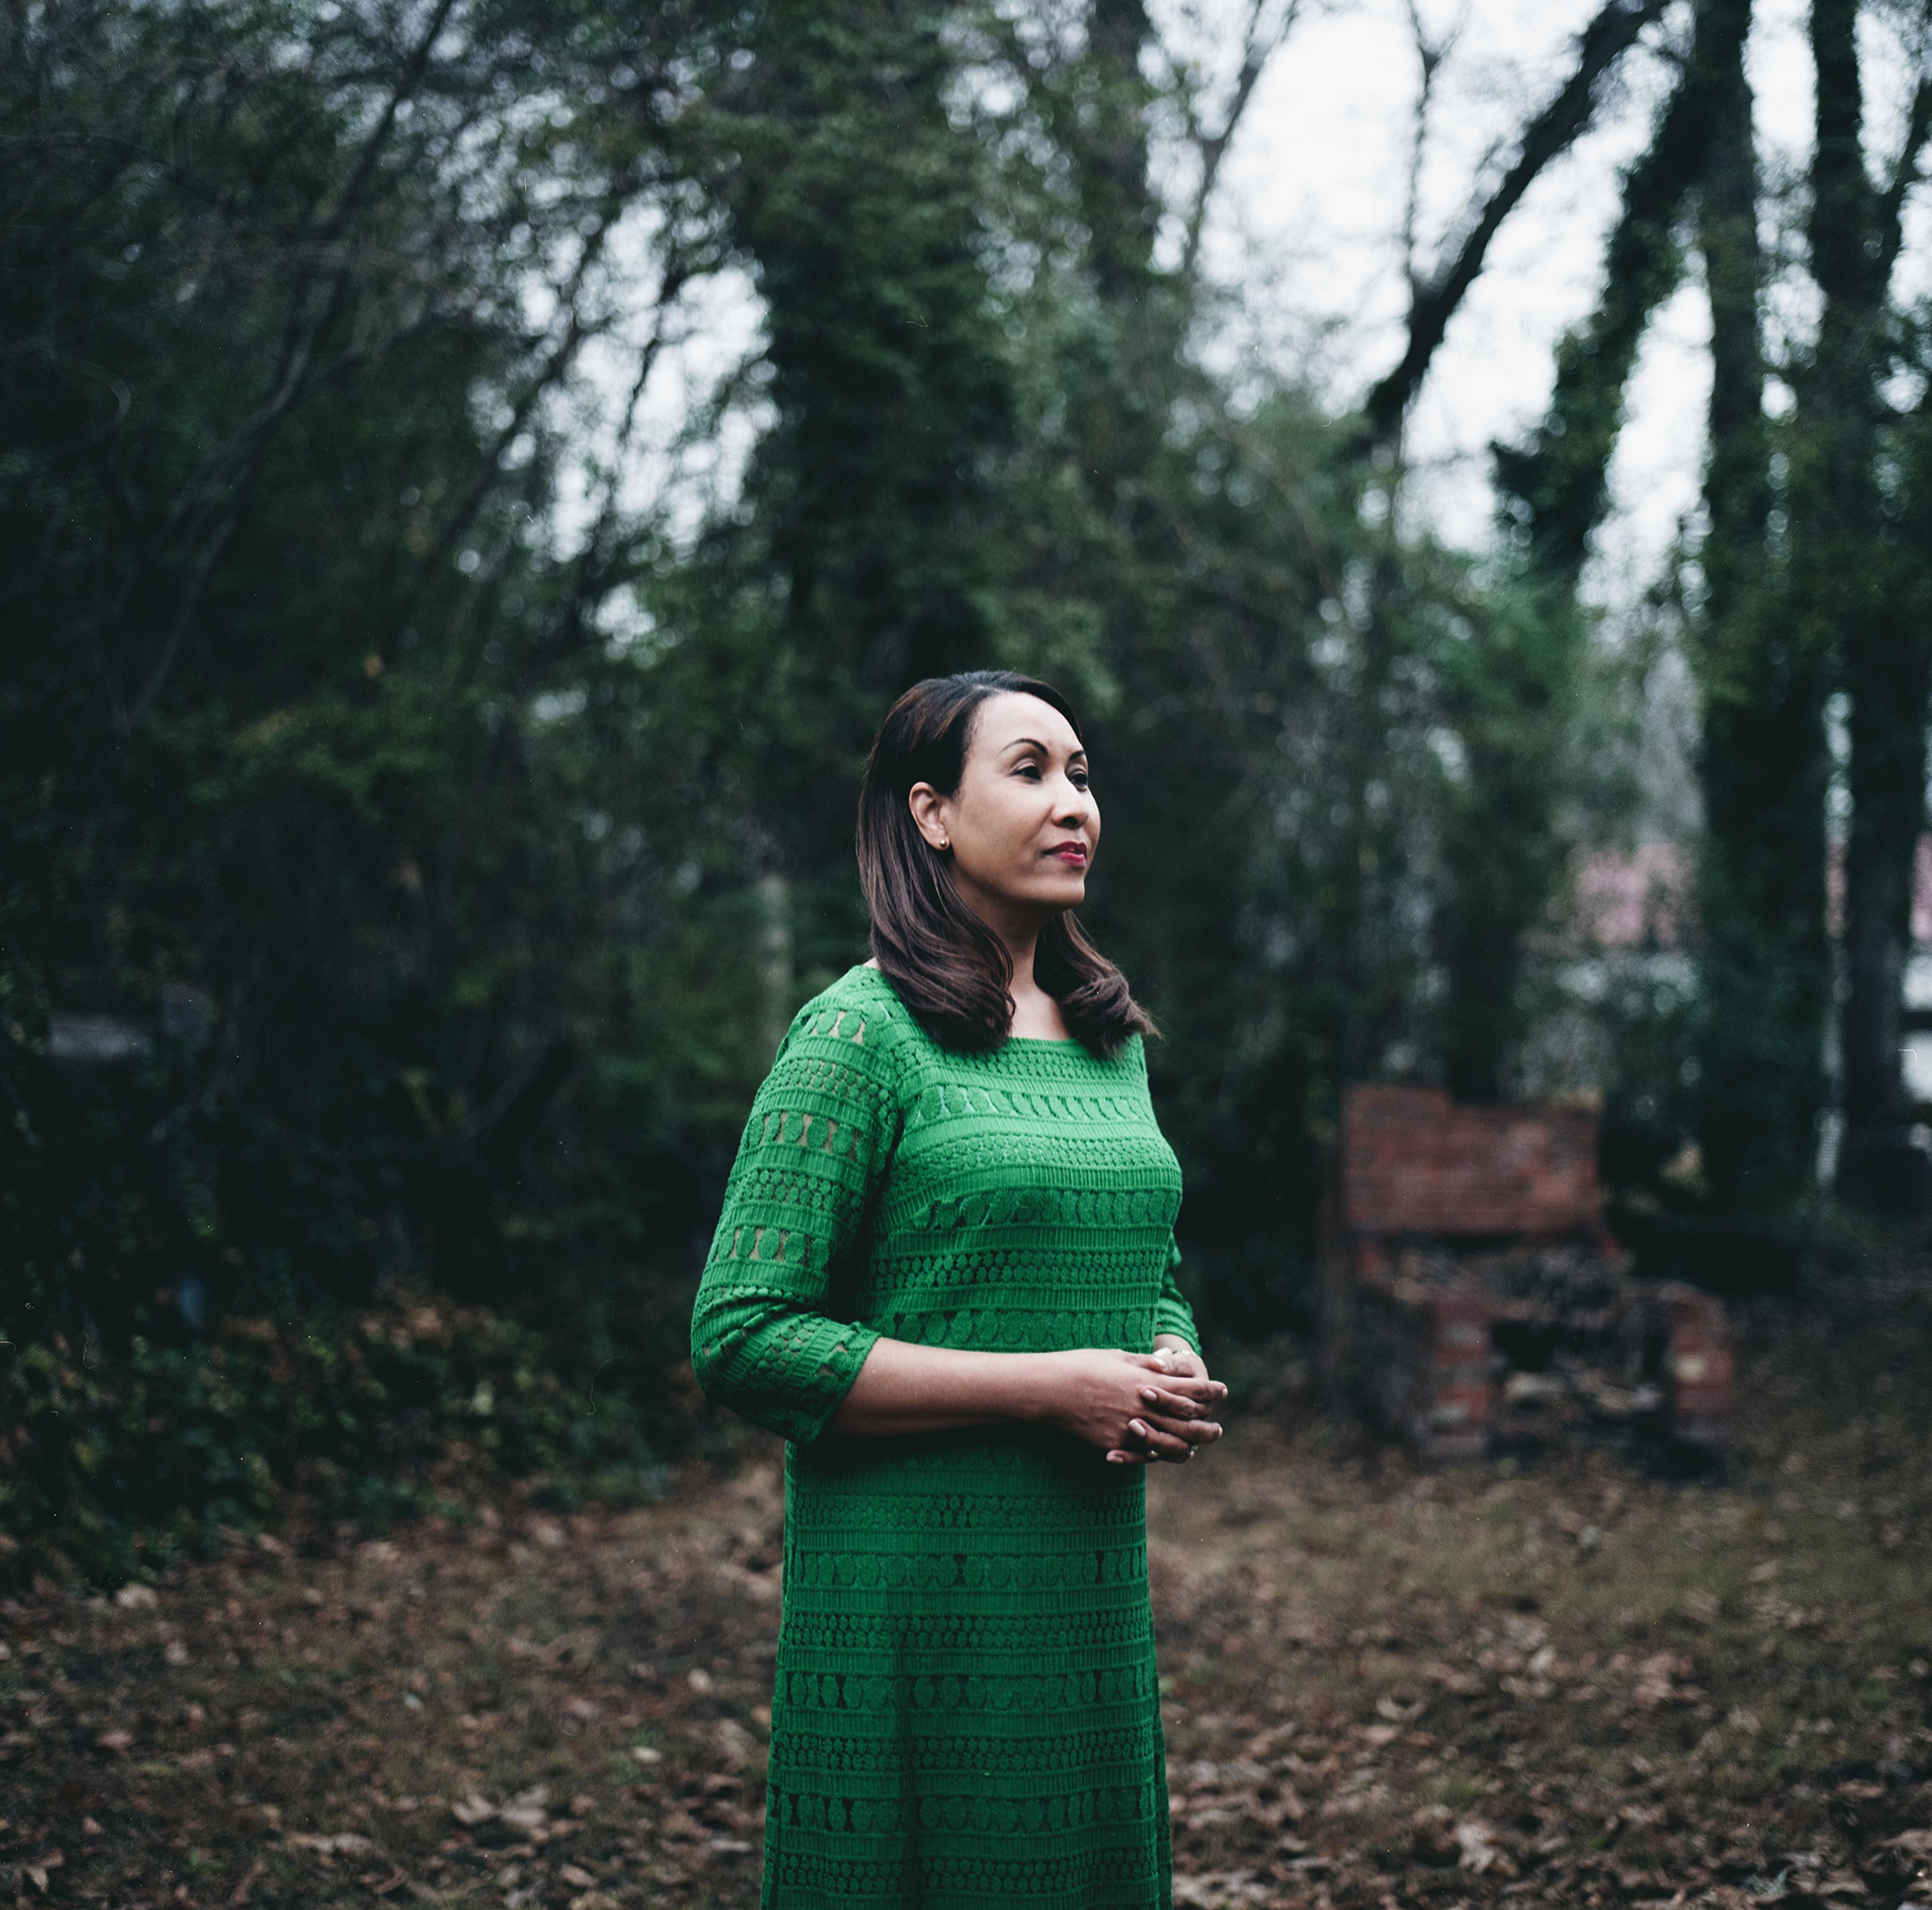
x=1023, y=825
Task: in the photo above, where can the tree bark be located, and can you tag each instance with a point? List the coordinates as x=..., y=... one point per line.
x=1119, y=211
x=1765, y=977
x=1555, y=487
x=1854, y=608
x=1499, y=847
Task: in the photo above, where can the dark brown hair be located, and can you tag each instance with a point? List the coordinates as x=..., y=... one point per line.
x=951, y=970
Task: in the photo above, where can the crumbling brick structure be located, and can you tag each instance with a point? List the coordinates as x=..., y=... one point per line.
x=1456, y=1240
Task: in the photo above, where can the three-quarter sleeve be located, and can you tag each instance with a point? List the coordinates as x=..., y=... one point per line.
x=766, y=1337
x=1171, y=1313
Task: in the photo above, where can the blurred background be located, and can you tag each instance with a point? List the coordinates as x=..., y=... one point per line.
x=473, y=474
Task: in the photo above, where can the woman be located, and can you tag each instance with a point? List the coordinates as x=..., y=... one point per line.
x=945, y=1273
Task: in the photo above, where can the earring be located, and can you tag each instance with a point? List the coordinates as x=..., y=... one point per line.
x=945, y=843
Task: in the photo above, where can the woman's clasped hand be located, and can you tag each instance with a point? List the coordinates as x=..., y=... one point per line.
x=1136, y=1406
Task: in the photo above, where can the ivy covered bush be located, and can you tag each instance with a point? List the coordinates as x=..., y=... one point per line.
x=112, y=1468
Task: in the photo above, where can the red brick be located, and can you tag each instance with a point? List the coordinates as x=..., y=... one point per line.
x=1411, y=1165
x=1413, y=1162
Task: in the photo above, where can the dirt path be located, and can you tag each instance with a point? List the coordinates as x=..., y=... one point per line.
x=1571, y=1684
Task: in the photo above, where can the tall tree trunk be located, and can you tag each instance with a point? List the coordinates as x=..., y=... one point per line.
x=1509, y=696
x=1889, y=673
x=1119, y=211
x=875, y=496
x=1500, y=851
x=1122, y=383
x=1555, y=487
x=1841, y=585
x=1766, y=978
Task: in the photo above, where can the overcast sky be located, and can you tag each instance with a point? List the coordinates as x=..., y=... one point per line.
x=1307, y=229
x=1304, y=239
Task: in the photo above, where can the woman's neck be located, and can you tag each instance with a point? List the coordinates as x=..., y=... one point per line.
x=1037, y=1014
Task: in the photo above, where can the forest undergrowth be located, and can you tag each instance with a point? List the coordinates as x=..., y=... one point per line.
x=1559, y=1680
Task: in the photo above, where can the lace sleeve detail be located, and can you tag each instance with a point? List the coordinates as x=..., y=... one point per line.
x=765, y=1337
x=1171, y=1313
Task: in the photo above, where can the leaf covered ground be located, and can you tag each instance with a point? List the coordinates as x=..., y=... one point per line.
x=1558, y=1680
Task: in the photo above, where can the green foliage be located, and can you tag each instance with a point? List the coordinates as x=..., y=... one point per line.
x=283, y=768
x=460, y=833
x=114, y=1466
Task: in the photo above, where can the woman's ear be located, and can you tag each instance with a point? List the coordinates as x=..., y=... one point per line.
x=926, y=803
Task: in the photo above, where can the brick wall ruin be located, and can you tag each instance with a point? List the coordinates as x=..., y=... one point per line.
x=1472, y=1298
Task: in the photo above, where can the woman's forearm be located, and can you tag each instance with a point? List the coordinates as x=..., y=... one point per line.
x=905, y=1389
x=1133, y=1406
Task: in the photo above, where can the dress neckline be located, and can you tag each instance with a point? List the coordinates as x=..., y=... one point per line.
x=872, y=973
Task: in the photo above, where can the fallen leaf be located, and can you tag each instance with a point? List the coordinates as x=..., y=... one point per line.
x=1220, y=1890
x=136, y=1598
x=472, y=1811
x=525, y=1811
x=116, y=1742
x=1478, y=1843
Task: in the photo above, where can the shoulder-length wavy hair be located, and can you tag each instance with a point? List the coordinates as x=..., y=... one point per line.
x=951, y=970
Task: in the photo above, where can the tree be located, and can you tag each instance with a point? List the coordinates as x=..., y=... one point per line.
x=313, y=771
x=1851, y=593
x=1508, y=697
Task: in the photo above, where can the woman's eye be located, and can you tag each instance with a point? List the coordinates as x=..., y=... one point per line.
x=1031, y=771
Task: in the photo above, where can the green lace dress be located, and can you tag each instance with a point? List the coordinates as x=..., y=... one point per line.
x=967, y=1711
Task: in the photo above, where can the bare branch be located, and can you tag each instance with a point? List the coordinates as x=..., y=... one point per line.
x=1429, y=55
x=1259, y=44
x=208, y=508
x=211, y=554
x=677, y=274
x=556, y=363
x=1910, y=168
x=379, y=134
x=1552, y=132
